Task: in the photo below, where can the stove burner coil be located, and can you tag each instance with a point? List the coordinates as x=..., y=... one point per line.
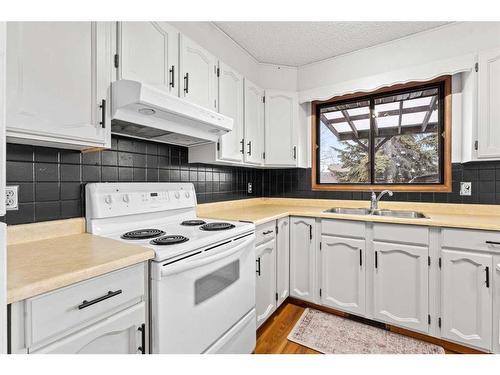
x=216, y=226
x=193, y=223
x=142, y=234
x=169, y=240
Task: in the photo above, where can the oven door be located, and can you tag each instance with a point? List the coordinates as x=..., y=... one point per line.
x=196, y=300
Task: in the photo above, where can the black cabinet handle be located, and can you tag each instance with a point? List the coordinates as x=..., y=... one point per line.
x=142, y=330
x=376, y=259
x=172, y=76
x=103, y=114
x=267, y=232
x=487, y=269
x=310, y=232
x=492, y=243
x=249, y=144
x=294, y=152
x=258, y=266
x=360, y=257
x=110, y=294
x=186, y=83
x=242, y=142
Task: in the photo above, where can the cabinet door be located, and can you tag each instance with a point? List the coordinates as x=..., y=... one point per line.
x=198, y=74
x=149, y=53
x=496, y=306
x=121, y=333
x=283, y=259
x=466, y=297
x=254, y=123
x=265, y=298
x=488, y=108
x=302, y=258
x=401, y=285
x=231, y=104
x=281, y=114
x=343, y=274
x=58, y=74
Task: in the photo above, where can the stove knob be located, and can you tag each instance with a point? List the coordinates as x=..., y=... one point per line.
x=187, y=194
x=126, y=198
x=177, y=195
x=108, y=199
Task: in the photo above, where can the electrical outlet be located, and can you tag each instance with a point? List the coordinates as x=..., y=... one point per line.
x=11, y=197
x=466, y=188
x=249, y=188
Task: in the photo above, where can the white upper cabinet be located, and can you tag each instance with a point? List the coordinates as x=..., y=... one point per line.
x=488, y=104
x=283, y=259
x=231, y=104
x=281, y=117
x=254, y=123
x=401, y=285
x=466, y=297
x=198, y=74
x=149, y=52
x=343, y=274
x=58, y=80
x=302, y=269
x=265, y=286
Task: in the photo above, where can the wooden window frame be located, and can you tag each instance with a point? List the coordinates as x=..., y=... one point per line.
x=445, y=186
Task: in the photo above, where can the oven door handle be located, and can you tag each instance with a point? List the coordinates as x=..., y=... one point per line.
x=188, y=264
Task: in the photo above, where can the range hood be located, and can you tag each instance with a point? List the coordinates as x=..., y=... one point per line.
x=149, y=112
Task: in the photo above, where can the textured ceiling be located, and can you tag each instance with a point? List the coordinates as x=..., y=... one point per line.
x=300, y=43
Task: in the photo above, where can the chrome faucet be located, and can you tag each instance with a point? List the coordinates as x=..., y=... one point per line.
x=375, y=199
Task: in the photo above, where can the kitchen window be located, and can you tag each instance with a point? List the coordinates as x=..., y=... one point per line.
x=397, y=137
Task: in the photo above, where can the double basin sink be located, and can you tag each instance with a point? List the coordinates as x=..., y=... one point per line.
x=367, y=211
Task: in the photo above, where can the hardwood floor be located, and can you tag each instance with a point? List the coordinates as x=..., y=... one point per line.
x=272, y=335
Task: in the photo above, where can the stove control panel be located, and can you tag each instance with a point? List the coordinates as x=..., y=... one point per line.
x=118, y=199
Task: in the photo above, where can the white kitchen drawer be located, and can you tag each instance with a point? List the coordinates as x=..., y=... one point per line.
x=63, y=310
x=468, y=239
x=407, y=234
x=265, y=232
x=343, y=228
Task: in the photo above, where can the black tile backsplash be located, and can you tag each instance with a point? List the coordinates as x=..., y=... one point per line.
x=51, y=180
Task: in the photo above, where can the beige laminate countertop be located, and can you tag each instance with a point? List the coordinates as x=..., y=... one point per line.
x=262, y=210
x=65, y=255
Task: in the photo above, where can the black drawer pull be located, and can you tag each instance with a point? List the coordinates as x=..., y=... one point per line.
x=360, y=257
x=376, y=259
x=172, y=76
x=110, y=294
x=258, y=266
x=267, y=232
x=186, y=83
x=103, y=114
x=249, y=144
x=487, y=269
x=492, y=243
x=142, y=330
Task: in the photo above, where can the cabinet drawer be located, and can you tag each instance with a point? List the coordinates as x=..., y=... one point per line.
x=265, y=232
x=470, y=239
x=408, y=234
x=343, y=228
x=54, y=313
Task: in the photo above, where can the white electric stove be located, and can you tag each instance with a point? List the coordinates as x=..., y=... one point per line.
x=202, y=280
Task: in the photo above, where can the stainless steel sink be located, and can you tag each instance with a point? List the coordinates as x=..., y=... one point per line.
x=401, y=214
x=367, y=211
x=348, y=211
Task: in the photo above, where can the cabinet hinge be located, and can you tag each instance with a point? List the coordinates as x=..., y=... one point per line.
x=476, y=67
x=439, y=322
x=476, y=145
x=117, y=60
x=439, y=262
x=218, y=146
x=429, y=261
x=263, y=99
x=429, y=319
x=320, y=292
x=276, y=296
x=218, y=72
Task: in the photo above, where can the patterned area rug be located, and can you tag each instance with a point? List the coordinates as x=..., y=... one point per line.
x=331, y=334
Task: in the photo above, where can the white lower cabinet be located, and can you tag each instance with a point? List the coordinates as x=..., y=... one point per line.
x=283, y=259
x=265, y=299
x=343, y=274
x=400, y=285
x=302, y=258
x=466, y=298
x=122, y=333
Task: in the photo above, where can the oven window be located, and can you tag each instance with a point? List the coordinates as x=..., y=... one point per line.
x=215, y=282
